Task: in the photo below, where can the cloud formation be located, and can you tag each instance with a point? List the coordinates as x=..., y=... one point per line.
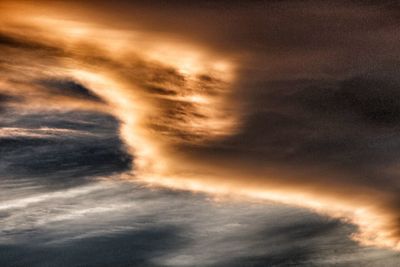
x=291, y=101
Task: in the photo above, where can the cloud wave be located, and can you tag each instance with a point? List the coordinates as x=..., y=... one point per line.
x=304, y=123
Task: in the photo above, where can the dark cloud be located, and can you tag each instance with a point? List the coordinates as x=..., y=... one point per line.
x=69, y=88
x=65, y=158
x=155, y=227
x=135, y=248
x=323, y=121
x=21, y=42
x=339, y=133
x=6, y=99
x=17, y=42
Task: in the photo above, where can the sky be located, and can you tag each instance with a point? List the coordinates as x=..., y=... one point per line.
x=212, y=133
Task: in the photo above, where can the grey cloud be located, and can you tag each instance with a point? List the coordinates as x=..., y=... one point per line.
x=56, y=159
x=125, y=224
x=126, y=249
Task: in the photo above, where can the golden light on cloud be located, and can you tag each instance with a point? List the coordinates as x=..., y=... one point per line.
x=166, y=94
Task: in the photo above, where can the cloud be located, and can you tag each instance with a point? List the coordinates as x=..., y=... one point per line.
x=86, y=143
x=137, y=248
x=272, y=100
x=69, y=88
x=68, y=200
